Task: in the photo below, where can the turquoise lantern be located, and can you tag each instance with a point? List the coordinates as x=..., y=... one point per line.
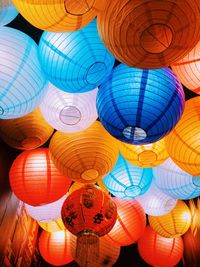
x=7, y=12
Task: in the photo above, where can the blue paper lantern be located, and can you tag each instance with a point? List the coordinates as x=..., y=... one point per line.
x=76, y=61
x=22, y=83
x=7, y=12
x=175, y=182
x=127, y=181
x=140, y=106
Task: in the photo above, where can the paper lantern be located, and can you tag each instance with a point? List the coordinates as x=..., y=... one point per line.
x=175, y=182
x=35, y=180
x=54, y=247
x=183, y=142
x=128, y=181
x=68, y=112
x=85, y=156
x=173, y=224
x=7, y=12
x=27, y=132
x=46, y=213
x=59, y=15
x=188, y=69
x=131, y=95
x=75, y=62
x=130, y=224
x=145, y=156
x=155, y=202
x=53, y=226
x=149, y=34
x=157, y=250
x=22, y=82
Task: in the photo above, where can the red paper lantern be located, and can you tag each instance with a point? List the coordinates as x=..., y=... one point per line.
x=35, y=180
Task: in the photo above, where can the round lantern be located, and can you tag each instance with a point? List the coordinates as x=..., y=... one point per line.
x=188, y=69
x=52, y=226
x=130, y=224
x=155, y=202
x=68, y=112
x=128, y=181
x=85, y=156
x=75, y=62
x=27, y=132
x=54, y=247
x=154, y=33
x=183, y=142
x=130, y=95
x=46, y=213
x=173, y=224
x=145, y=156
x=59, y=15
x=175, y=182
x=157, y=250
x=88, y=213
x=35, y=180
x=22, y=82
x=7, y=12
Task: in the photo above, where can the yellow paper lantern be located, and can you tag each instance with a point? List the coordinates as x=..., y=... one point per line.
x=59, y=15
x=173, y=224
x=84, y=156
x=53, y=226
x=183, y=143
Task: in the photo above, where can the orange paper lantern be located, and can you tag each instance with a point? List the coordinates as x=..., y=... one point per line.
x=53, y=226
x=35, y=180
x=183, y=142
x=149, y=34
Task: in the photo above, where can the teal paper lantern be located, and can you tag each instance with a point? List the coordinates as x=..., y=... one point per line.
x=7, y=12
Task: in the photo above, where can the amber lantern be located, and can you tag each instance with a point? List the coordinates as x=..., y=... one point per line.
x=149, y=34
x=53, y=226
x=85, y=156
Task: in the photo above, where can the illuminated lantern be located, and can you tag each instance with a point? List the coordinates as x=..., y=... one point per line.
x=128, y=181
x=35, y=180
x=52, y=226
x=68, y=112
x=175, y=182
x=183, y=142
x=75, y=186
x=131, y=95
x=149, y=155
x=102, y=186
x=188, y=69
x=54, y=247
x=27, y=132
x=85, y=156
x=75, y=62
x=157, y=250
x=149, y=34
x=173, y=224
x=130, y=224
x=46, y=213
x=7, y=12
x=88, y=213
x=22, y=82
x=59, y=15
x=155, y=202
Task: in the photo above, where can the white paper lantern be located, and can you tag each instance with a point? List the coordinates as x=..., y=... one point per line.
x=7, y=12
x=68, y=112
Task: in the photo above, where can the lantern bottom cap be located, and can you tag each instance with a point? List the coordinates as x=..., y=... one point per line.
x=134, y=133
x=132, y=191
x=90, y=174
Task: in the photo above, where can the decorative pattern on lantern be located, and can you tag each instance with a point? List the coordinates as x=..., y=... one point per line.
x=85, y=156
x=88, y=213
x=27, y=132
x=128, y=181
x=173, y=224
x=175, y=182
x=130, y=224
x=69, y=112
x=22, y=82
x=182, y=143
x=75, y=62
x=35, y=180
x=148, y=34
x=54, y=247
x=145, y=104
x=7, y=12
x=144, y=156
x=59, y=15
x=53, y=226
x=157, y=250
